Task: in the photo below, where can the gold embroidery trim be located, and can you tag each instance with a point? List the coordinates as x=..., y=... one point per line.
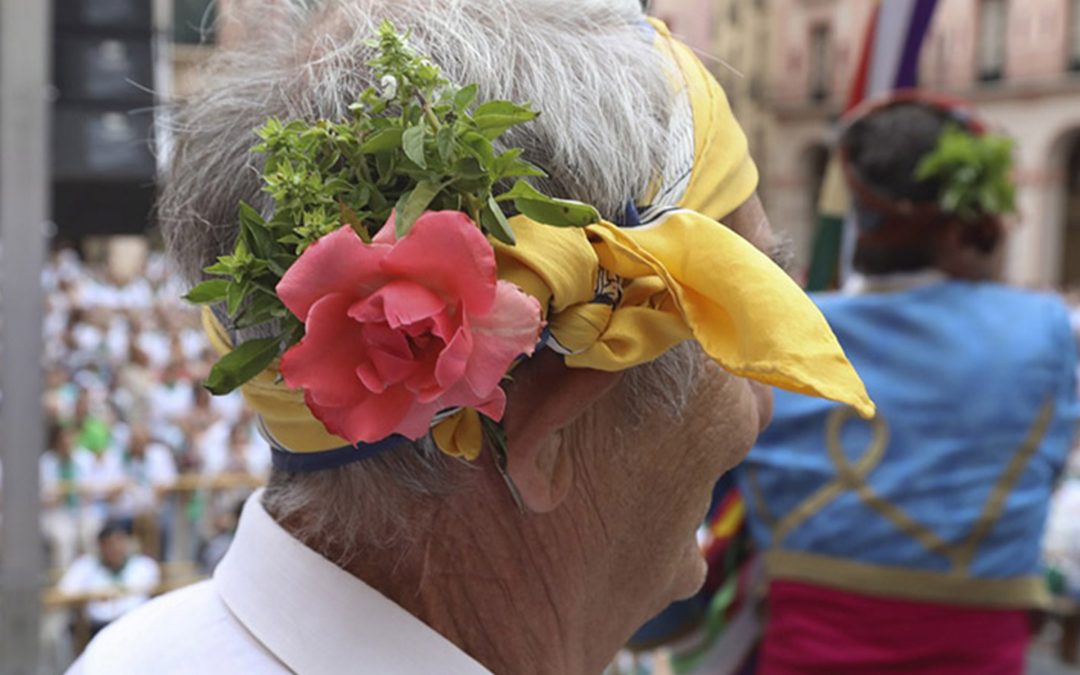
x=848, y=477
x=966, y=549
x=905, y=583
x=853, y=478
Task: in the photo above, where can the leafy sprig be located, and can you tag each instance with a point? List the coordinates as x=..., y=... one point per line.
x=412, y=143
x=975, y=172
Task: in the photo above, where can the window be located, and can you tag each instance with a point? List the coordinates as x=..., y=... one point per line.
x=992, y=28
x=820, y=62
x=1074, y=35
x=193, y=21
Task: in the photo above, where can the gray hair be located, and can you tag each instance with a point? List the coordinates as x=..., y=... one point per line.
x=587, y=65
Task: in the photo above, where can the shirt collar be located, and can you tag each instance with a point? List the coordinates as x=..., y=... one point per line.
x=317, y=618
x=861, y=284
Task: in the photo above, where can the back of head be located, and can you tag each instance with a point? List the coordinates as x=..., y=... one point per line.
x=902, y=210
x=586, y=64
x=885, y=149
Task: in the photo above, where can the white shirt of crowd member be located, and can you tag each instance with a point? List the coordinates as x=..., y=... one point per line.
x=130, y=356
x=123, y=579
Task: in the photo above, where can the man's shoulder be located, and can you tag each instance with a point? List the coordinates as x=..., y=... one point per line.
x=187, y=630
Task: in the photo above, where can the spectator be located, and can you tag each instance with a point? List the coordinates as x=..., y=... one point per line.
x=68, y=527
x=117, y=579
x=149, y=471
x=224, y=530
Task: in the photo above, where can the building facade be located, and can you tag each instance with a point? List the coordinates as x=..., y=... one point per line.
x=787, y=65
x=1018, y=60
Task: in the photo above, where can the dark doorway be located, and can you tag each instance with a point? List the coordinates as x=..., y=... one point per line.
x=1071, y=248
x=815, y=164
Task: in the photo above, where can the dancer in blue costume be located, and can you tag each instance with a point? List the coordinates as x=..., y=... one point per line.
x=911, y=543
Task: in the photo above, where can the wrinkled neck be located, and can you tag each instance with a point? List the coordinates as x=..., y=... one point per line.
x=510, y=589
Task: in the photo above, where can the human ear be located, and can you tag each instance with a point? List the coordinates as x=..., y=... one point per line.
x=544, y=399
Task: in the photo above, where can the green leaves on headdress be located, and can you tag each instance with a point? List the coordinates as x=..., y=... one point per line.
x=975, y=173
x=413, y=142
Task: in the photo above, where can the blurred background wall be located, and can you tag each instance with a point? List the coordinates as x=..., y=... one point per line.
x=787, y=63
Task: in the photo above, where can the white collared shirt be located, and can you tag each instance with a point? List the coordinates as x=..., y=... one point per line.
x=273, y=606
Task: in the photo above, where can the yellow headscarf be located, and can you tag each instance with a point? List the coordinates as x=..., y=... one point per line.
x=620, y=297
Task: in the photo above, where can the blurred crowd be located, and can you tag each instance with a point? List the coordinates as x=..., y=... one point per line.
x=143, y=469
x=132, y=434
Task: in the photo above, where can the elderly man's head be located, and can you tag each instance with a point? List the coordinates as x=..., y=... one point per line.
x=615, y=471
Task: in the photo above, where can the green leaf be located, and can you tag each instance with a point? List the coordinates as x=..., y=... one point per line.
x=382, y=141
x=465, y=97
x=259, y=311
x=479, y=147
x=208, y=292
x=444, y=142
x=242, y=364
x=504, y=108
x=411, y=206
x=494, y=118
x=350, y=218
x=234, y=295
x=494, y=221
x=974, y=173
x=219, y=269
x=412, y=141
x=385, y=165
x=509, y=165
x=255, y=231
x=548, y=210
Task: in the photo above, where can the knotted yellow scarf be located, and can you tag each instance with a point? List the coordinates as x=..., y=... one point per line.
x=680, y=275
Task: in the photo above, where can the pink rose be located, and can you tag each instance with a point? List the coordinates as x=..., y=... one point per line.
x=399, y=330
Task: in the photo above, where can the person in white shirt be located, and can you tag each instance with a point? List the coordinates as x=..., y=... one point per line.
x=118, y=579
x=414, y=562
x=68, y=525
x=149, y=469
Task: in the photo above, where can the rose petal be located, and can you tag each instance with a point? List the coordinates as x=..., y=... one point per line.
x=511, y=329
x=387, y=234
x=382, y=337
x=370, y=377
x=323, y=362
x=392, y=412
x=462, y=396
x=454, y=359
x=417, y=423
x=399, y=303
x=446, y=251
x=392, y=369
x=337, y=263
x=332, y=416
x=494, y=406
x=423, y=383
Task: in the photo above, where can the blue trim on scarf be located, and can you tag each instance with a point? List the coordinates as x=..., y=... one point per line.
x=306, y=462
